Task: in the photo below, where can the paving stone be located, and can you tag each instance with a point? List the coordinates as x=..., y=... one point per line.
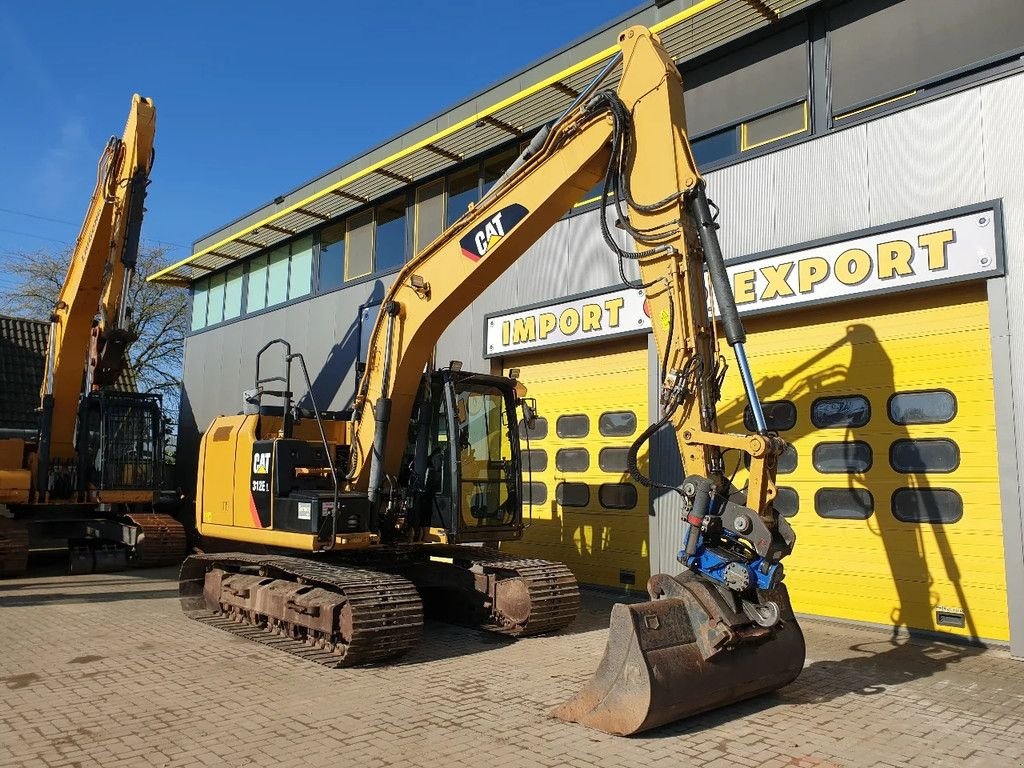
x=103, y=670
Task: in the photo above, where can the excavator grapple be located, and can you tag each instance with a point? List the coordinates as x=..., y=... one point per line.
x=682, y=653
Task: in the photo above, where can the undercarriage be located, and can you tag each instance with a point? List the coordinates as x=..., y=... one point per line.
x=368, y=605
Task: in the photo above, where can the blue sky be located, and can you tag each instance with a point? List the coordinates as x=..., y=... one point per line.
x=249, y=104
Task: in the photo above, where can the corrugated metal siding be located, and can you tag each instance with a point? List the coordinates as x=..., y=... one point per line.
x=926, y=159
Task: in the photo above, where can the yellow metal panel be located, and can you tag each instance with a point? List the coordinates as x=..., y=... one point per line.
x=594, y=541
x=880, y=569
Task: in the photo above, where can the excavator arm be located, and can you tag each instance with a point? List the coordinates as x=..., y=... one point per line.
x=723, y=629
x=90, y=327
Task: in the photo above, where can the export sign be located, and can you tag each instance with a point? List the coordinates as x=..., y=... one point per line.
x=946, y=250
x=898, y=257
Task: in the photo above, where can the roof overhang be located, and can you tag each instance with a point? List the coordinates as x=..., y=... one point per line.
x=689, y=33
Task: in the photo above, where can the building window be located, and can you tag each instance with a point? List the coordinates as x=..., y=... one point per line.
x=617, y=495
x=781, y=124
x=429, y=221
x=233, y=292
x=256, y=296
x=390, y=235
x=277, y=276
x=572, y=494
x=926, y=455
x=535, y=460
x=535, y=494
x=463, y=189
x=845, y=411
x=300, y=268
x=749, y=97
x=844, y=503
x=572, y=460
x=715, y=146
x=359, y=245
x=199, y=289
x=936, y=406
x=332, y=257
x=879, y=49
x=215, y=300
x=833, y=458
x=573, y=425
x=779, y=415
x=787, y=502
x=927, y=505
x=495, y=167
x=617, y=423
x=538, y=431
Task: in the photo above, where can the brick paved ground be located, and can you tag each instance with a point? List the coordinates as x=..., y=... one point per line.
x=102, y=670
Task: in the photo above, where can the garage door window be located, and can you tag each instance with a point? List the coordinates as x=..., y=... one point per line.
x=538, y=431
x=842, y=457
x=927, y=505
x=572, y=460
x=572, y=494
x=612, y=459
x=846, y=411
x=617, y=423
x=617, y=495
x=787, y=461
x=575, y=425
x=844, y=503
x=535, y=460
x=535, y=494
x=788, y=501
x=929, y=455
x=936, y=406
x=779, y=415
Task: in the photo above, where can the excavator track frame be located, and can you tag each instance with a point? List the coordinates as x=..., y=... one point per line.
x=483, y=587
x=386, y=614
x=13, y=548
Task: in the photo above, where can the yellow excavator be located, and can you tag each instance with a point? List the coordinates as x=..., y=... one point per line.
x=352, y=522
x=90, y=474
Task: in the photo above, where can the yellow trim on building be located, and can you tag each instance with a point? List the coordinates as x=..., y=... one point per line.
x=744, y=146
x=694, y=10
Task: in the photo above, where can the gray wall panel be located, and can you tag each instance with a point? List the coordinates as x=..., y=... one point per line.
x=744, y=195
x=543, y=270
x=821, y=188
x=919, y=161
x=592, y=264
x=1002, y=104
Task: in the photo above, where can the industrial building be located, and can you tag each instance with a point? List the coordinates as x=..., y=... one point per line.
x=867, y=160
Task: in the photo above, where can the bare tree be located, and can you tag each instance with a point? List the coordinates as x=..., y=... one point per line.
x=159, y=313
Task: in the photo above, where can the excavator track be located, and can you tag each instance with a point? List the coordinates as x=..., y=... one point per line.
x=333, y=615
x=483, y=587
x=13, y=548
x=554, y=596
x=161, y=540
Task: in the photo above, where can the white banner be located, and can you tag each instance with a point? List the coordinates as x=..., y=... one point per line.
x=609, y=314
x=940, y=251
x=944, y=250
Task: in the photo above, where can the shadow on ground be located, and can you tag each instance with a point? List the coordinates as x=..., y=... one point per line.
x=871, y=670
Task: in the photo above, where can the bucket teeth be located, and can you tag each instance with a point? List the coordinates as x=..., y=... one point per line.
x=656, y=669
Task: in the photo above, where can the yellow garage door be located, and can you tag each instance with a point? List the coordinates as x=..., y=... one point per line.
x=891, y=481
x=586, y=510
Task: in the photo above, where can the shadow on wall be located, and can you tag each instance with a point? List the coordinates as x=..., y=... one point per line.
x=904, y=545
x=344, y=355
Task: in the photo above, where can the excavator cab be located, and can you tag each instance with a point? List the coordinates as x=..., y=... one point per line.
x=119, y=442
x=471, y=479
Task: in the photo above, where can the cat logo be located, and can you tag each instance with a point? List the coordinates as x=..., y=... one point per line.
x=261, y=463
x=477, y=243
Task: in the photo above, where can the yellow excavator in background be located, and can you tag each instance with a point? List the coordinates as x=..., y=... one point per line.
x=380, y=502
x=90, y=475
